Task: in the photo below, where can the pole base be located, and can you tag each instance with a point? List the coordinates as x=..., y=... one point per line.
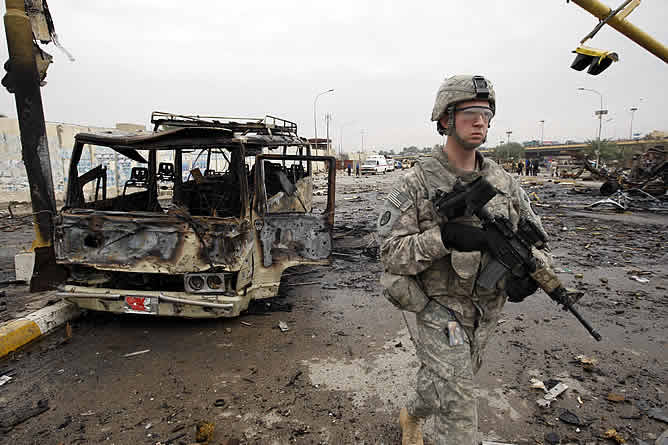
x=46, y=273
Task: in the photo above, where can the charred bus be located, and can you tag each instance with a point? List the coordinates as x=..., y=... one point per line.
x=193, y=241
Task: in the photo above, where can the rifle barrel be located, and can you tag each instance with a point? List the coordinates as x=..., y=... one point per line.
x=584, y=323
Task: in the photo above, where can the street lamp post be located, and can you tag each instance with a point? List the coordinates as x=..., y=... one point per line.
x=600, y=114
x=542, y=131
x=315, y=119
x=508, y=133
x=633, y=111
x=328, y=118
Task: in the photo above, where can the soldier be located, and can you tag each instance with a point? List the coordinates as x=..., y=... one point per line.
x=431, y=264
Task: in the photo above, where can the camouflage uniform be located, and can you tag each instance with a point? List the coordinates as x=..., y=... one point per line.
x=439, y=284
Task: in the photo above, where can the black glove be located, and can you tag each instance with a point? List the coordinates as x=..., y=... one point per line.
x=520, y=288
x=463, y=237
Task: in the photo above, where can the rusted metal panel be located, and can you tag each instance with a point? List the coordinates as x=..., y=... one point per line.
x=150, y=243
x=285, y=237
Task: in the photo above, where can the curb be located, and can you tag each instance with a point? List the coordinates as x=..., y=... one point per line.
x=22, y=331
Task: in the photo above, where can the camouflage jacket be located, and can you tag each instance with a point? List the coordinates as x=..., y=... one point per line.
x=417, y=266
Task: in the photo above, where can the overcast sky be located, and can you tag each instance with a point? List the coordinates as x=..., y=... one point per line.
x=384, y=59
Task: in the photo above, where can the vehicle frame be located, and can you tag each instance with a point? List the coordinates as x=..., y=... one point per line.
x=223, y=240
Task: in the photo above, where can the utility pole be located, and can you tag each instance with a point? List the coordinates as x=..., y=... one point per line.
x=542, y=131
x=23, y=78
x=315, y=119
x=509, y=132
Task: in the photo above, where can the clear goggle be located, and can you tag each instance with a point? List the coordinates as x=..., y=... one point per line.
x=472, y=114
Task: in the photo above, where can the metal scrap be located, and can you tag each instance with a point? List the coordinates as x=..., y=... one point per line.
x=613, y=434
x=657, y=414
x=551, y=395
x=132, y=354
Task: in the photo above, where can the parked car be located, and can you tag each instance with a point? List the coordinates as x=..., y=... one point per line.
x=398, y=165
x=240, y=217
x=390, y=165
x=374, y=165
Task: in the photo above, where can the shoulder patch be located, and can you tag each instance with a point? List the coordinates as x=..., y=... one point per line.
x=385, y=218
x=400, y=200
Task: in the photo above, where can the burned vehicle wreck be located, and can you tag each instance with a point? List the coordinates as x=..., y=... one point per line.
x=650, y=176
x=203, y=244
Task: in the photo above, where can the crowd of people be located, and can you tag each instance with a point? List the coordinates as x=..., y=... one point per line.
x=527, y=167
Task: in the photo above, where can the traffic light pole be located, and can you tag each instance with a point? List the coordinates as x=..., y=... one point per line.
x=24, y=79
x=619, y=22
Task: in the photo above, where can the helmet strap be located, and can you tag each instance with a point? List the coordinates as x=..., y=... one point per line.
x=451, y=120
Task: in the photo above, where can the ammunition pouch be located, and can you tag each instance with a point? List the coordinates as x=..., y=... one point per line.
x=404, y=292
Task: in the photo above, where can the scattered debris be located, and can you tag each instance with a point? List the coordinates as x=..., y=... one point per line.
x=204, y=432
x=663, y=439
x=219, y=403
x=613, y=434
x=613, y=397
x=175, y=438
x=551, y=395
x=657, y=414
x=132, y=354
x=20, y=414
x=245, y=323
x=552, y=438
x=639, y=280
x=537, y=384
x=588, y=363
x=486, y=442
x=283, y=326
x=4, y=379
x=66, y=422
x=294, y=378
x=571, y=418
x=88, y=413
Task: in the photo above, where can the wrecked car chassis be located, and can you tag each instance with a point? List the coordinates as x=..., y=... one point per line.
x=198, y=258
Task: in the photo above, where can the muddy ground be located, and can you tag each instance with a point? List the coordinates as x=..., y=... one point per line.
x=347, y=364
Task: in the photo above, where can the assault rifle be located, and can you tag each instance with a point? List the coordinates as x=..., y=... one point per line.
x=511, y=250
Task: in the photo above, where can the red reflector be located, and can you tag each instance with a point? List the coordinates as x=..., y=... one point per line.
x=136, y=303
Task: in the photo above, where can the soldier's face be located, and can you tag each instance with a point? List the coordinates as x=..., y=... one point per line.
x=471, y=122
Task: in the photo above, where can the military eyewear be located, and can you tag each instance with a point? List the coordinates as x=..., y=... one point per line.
x=472, y=114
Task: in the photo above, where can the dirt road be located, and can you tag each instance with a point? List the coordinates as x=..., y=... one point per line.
x=346, y=365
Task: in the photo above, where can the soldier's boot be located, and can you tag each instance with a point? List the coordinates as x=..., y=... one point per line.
x=411, y=431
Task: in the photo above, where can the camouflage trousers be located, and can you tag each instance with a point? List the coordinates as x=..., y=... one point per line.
x=445, y=385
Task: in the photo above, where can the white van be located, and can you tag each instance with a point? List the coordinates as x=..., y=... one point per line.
x=375, y=165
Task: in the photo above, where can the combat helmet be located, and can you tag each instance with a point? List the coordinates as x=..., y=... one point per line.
x=456, y=89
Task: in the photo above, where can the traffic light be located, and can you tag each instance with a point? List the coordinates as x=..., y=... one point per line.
x=596, y=59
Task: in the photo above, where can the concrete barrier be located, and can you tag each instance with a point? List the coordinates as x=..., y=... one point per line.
x=22, y=331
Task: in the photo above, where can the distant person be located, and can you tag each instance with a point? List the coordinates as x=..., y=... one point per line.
x=357, y=168
x=350, y=168
x=520, y=166
x=527, y=167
